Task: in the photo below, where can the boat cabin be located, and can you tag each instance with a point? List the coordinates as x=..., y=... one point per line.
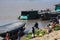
x=29, y=15
x=57, y=7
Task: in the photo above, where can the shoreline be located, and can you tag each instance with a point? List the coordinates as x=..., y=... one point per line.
x=51, y=36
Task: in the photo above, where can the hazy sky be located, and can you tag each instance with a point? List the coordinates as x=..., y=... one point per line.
x=12, y=8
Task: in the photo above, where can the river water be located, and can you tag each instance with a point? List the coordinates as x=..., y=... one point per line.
x=30, y=24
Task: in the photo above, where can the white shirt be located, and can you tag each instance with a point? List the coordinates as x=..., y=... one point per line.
x=59, y=21
x=50, y=26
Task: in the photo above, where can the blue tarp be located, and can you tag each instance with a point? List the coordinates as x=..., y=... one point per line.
x=57, y=8
x=24, y=17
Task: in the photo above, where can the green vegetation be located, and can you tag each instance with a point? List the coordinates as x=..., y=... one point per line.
x=28, y=36
x=37, y=33
x=40, y=32
x=56, y=28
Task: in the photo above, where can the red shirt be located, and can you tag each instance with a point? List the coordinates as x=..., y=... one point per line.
x=7, y=38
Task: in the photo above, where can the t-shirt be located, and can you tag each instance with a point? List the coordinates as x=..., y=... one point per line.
x=59, y=21
x=50, y=27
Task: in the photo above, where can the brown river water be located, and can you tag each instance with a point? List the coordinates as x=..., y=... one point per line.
x=30, y=24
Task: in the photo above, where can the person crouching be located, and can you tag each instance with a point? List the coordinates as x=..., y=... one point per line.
x=49, y=28
x=36, y=25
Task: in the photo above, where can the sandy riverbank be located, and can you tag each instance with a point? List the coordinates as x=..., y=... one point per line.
x=51, y=36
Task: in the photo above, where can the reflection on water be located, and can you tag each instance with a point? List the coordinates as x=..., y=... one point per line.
x=30, y=24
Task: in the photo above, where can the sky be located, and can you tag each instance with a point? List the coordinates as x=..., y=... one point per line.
x=11, y=9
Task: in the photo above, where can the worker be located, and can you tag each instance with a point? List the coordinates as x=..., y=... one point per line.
x=33, y=32
x=53, y=24
x=49, y=28
x=36, y=25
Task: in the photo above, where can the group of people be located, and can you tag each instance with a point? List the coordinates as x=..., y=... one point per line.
x=13, y=37
x=51, y=26
x=7, y=37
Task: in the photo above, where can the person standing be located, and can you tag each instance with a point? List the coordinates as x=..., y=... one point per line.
x=19, y=35
x=59, y=21
x=33, y=32
x=7, y=36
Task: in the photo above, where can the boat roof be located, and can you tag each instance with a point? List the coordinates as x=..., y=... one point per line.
x=10, y=27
